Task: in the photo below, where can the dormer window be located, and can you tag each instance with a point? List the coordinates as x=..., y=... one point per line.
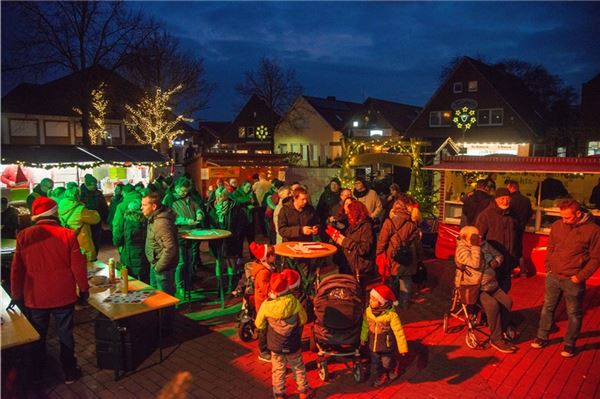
x=472, y=86
x=457, y=87
x=241, y=132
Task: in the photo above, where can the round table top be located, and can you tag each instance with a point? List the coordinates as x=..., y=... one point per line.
x=296, y=249
x=204, y=234
x=8, y=245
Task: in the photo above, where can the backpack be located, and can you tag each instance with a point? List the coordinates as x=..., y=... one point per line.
x=404, y=252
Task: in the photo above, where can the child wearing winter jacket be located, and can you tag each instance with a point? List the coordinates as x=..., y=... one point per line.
x=284, y=316
x=261, y=270
x=383, y=331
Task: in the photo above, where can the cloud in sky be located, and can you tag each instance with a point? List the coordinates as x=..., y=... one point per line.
x=389, y=50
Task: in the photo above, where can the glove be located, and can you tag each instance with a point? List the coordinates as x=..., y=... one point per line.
x=383, y=266
x=84, y=296
x=15, y=302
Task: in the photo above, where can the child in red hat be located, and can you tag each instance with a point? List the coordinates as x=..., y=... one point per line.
x=284, y=316
x=383, y=331
x=261, y=270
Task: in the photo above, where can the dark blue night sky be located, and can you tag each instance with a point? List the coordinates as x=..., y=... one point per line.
x=393, y=51
x=388, y=50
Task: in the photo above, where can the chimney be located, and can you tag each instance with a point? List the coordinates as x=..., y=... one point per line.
x=331, y=98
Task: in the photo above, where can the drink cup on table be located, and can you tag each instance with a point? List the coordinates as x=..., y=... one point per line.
x=125, y=280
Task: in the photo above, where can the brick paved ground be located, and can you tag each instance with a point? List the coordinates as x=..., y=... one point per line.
x=439, y=365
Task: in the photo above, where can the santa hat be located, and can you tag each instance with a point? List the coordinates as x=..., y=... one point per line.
x=260, y=251
x=383, y=294
x=278, y=285
x=43, y=206
x=292, y=277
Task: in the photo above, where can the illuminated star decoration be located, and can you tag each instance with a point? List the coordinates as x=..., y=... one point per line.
x=464, y=118
x=262, y=132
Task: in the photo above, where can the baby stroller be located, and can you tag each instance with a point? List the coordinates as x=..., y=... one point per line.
x=465, y=307
x=246, y=327
x=338, y=306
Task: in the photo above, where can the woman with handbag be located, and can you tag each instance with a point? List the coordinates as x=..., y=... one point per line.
x=475, y=276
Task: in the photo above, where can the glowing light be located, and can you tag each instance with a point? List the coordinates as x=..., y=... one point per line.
x=464, y=118
x=262, y=132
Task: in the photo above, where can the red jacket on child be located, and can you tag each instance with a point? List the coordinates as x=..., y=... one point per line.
x=47, y=266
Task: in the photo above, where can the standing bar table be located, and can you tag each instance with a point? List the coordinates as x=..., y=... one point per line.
x=294, y=251
x=118, y=312
x=207, y=235
x=16, y=330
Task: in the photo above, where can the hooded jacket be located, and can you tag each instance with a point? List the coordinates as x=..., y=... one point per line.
x=162, y=249
x=473, y=265
x=261, y=275
x=290, y=221
x=397, y=231
x=574, y=250
x=359, y=247
x=130, y=236
x=47, y=266
x=74, y=215
x=122, y=207
x=384, y=332
x=94, y=200
x=284, y=315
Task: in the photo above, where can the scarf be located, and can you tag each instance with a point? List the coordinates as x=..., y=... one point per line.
x=360, y=194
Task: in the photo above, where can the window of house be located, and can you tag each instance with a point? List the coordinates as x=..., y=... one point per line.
x=490, y=117
x=561, y=152
x=295, y=148
x=440, y=118
x=472, y=86
x=241, y=132
x=457, y=87
x=355, y=124
x=497, y=118
x=283, y=148
x=315, y=152
x=304, y=151
x=250, y=131
x=594, y=148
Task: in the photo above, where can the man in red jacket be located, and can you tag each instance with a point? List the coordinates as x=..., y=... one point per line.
x=46, y=269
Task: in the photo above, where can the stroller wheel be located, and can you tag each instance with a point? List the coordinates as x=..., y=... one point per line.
x=246, y=331
x=358, y=371
x=471, y=340
x=445, y=325
x=322, y=370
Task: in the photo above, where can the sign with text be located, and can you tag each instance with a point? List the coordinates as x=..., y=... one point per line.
x=225, y=171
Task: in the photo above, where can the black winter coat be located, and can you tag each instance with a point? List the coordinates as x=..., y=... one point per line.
x=520, y=208
x=474, y=205
x=359, y=248
x=290, y=222
x=498, y=228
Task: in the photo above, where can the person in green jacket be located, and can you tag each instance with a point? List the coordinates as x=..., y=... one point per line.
x=188, y=214
x=245, y=199
x=41, y=190
x=74, y=215
x=130, y=237
x=383, y=331
x=129, y=194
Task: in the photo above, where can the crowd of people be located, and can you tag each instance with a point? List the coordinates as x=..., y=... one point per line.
x=378, y=240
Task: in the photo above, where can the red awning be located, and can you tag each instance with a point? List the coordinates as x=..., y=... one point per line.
x=519, y=164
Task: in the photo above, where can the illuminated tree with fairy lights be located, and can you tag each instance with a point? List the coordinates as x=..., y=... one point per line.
x=97, y=124
x=152, y=121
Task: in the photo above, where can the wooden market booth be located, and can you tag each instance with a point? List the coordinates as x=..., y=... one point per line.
x=206, y=168
x=458, y=174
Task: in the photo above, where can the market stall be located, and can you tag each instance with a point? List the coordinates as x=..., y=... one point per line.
x=458, y=174
x=24, y=166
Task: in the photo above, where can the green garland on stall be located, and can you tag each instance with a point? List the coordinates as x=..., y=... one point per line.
x=94, y=164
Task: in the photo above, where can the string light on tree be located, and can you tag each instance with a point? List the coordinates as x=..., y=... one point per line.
x=152, y=122
x=97, y=130
x=262, y=132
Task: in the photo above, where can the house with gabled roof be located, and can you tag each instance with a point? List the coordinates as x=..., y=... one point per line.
x=252, y=129
x=485, y=110
x=381, y=118
x=313, y=127
x=43, y=114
